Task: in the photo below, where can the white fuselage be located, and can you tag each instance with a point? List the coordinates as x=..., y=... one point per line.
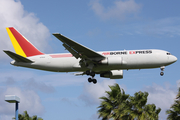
x=115, y=60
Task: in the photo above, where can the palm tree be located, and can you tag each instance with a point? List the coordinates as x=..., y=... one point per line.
x=174, y=111
x=178, y=95
x=138, y=101
x=115, y=105
x=25, y=116
x=151, y=112
x=140, y=110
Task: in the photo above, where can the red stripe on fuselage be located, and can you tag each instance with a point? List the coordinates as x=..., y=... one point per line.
x=26, y=46
x=61, y=55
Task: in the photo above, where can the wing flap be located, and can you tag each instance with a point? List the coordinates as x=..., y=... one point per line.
x=73, y=52
x=77, y=49
x=17, y=57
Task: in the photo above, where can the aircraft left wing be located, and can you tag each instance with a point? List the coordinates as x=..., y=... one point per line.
x=78, y=50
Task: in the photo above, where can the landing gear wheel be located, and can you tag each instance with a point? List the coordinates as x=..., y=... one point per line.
x=162, y=69
x=92, y=74
x=162, y=73
x=89, y=80
x=94, y=81
x=87, y=72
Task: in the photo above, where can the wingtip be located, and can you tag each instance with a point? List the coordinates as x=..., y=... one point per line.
x=5, y=51
x=56, y=33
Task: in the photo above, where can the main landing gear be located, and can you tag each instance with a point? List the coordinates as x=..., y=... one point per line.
x=92, y=74
x=92, y=80
x=162, y=69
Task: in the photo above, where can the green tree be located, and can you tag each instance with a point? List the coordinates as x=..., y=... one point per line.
x=25, y=116
x=174, y=111
x=117, y=105
x=140, y=110
x=114, y=105
x=151, y=112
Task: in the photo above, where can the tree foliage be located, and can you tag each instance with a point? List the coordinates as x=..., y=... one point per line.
x=120, y=106
x=114, y=104
x=140, y=110
x=174, y=111
x=25, y=116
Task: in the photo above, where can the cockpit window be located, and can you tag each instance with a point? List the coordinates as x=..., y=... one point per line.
x=168, y=53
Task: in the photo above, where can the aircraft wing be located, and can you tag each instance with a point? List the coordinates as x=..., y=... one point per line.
x=78, y=50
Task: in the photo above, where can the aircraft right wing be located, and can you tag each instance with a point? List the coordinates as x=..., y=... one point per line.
x=78, y=50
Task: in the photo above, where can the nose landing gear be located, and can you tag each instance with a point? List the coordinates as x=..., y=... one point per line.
x=161, y=73
x=162, y=69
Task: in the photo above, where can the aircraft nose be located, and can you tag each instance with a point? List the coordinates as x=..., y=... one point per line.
x=172, y=59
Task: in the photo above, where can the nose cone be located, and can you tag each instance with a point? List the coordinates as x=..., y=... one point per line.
x=172, y=59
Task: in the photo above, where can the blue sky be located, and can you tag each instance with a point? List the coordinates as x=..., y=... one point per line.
x=101, y=25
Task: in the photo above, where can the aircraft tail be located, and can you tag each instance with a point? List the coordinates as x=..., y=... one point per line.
x=21, y=45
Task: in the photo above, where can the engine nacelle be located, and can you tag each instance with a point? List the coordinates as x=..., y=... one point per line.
x=113, y=74
x=112, y=61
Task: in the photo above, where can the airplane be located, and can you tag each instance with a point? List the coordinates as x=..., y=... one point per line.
x=109, y=64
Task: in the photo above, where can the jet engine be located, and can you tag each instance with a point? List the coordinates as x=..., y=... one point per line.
x=112, y=61
x=113, y=74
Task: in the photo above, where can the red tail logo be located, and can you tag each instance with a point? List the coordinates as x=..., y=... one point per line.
x=21, y=45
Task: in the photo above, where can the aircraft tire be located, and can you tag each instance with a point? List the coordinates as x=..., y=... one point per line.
x=94, y=81
x=89, y=80
x=162, y=73
x=87, y=72
x=92, y=74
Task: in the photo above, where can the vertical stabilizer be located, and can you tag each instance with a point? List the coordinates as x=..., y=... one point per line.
x=21, y=45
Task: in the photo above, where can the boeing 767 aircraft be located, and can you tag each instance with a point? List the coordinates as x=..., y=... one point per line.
x=109, y=64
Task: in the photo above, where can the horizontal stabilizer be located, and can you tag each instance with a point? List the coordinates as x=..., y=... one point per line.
x=17, y=57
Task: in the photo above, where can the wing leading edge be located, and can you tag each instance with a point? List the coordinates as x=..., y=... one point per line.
x=78, y=50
